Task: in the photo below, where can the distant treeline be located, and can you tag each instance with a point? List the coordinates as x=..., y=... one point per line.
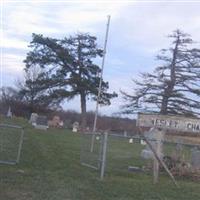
x=116, y=124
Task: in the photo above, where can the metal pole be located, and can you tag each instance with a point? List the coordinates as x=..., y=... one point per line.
x=103, y=163
x=1, y=141
x=100, y=85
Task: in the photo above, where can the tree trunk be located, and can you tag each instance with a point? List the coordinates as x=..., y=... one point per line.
x=83, y=111
x=164, y=105
x=170, y=85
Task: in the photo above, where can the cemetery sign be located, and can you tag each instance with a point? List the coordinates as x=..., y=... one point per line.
x=168, y=122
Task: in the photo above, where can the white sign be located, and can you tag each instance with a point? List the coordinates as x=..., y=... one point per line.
x=176, y=123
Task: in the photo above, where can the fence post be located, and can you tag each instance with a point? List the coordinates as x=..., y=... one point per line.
x=20, y=145
x=155, y=170
x=104, y=150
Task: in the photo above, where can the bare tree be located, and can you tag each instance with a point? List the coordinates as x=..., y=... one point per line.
x=32, y=92
x=174, y=86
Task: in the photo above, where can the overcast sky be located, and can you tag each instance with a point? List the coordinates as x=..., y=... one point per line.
x=138, y=31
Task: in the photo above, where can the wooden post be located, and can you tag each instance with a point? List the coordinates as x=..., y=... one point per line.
x=158, y=137
x=158, y=158
x=155, y=170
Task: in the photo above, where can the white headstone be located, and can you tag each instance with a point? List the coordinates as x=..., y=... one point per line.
x=75, y=127
x=130, y=141
x=33, y=119
x=61, y=123
x=97, y=138
x=9, y=113
x=142, y=142
x=125, y=134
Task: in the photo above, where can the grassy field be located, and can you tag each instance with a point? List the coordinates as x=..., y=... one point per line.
x=50, y=170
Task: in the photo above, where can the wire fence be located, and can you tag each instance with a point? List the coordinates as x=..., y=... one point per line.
x=124, y=153
x=11, y=139
x=91, y=158
x=131, y=154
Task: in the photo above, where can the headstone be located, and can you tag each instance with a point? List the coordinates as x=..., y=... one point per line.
x=195, y=158
x=56, y=122
x=97, y=138
x=41, y=123
x=68, y=123
x=9, y=113
x=33, y=119
x=61, y=124
x=135, y=169
x=130, y=141
x=75, y=127
x=142, y=142
x=147, y=153
x=125, y=134
x=155, y=138
x=178, y=153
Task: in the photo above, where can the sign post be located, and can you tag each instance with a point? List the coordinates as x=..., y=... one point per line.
x=158, y=158
x=159, y=123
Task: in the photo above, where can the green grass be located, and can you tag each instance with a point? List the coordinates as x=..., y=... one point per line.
x=50, y=170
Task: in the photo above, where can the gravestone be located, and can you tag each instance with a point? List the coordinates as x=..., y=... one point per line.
x=130, y=141
x=195, y=158
x=41, y=123
x=56, y=122
x=9, y=113
x=142, y=142
x=155, y=138
x=178, y=153
x=61, y=124
x=159, y=124
x=125, y=134
x=147, y=153
x=33, y=119
x=75, y=127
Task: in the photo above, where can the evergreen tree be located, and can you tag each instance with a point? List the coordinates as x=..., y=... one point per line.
x=33, y=93
x=68, y=69
x=174, y=86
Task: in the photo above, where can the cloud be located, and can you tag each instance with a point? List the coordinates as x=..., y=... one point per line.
x=25, y=19
x=12, y=61
x=9, y=42
x=54, y=17
x=116, y=62
x=11, y=69
x=86, y=17
x=137, y=32
x=145, y=26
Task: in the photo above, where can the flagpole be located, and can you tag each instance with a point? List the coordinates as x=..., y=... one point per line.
x=100, y=85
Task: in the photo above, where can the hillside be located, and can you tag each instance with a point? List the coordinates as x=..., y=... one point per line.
x=50, y=170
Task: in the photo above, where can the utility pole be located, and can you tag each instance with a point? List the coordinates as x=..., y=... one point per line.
x=100, y=85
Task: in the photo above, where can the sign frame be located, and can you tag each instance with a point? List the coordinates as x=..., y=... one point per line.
x=169, y=122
